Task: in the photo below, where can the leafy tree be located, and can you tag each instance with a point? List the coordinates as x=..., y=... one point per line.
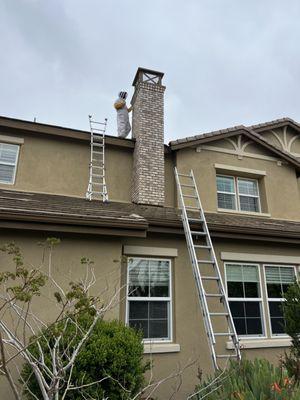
x=109, y=364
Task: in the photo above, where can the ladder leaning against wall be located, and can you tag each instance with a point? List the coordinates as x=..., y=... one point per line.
x=215, y=308
x=97, y=188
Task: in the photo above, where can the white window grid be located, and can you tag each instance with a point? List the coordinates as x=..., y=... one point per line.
x=237, y=194
x=250, y=299
x=148, y=298
x=3, y=145
x=275, y=299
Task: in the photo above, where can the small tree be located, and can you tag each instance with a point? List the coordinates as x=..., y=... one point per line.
x=111, y=356
x=291, y=310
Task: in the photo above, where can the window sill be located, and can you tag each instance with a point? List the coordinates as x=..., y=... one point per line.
x=154, y=348
x=261, y=343
x=257, y=214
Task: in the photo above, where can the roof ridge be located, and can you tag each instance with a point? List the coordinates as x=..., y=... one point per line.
x=233, y=128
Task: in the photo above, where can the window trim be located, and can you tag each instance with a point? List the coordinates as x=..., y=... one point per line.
x=15, y=164
x=168, y=299
x=259, y=299
x=276, y=335
x=237, y=194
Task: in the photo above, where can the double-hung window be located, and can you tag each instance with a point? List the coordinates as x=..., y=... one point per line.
x=278, y=280
x=8, y=162
x=235, y=193
x=149, y=307
x=245, y=301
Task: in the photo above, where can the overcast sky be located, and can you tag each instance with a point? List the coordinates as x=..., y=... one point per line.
x=226, y=62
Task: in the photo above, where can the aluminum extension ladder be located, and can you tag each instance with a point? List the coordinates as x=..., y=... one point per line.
x=97, y=188
x=216, y=312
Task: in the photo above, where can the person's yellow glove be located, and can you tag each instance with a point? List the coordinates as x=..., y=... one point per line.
x=119, y=104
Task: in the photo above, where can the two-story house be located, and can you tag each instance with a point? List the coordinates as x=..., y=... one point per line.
x=248, y=180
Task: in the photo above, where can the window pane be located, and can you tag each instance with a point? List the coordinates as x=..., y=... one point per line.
x=254, y=326
x=158, y=329
x=234, y=273
x=7, y=173
x=249, y=204
x=226, y=201
x=237, y=308
x=158, y=309
x=159, y=278
x=252, y=309
x=8, y=153
x=138, y=278
x=250, y=273
x=274, y=290
x=277, y=325
x=272, y=275
x=225, y=184
x=140, y=325
x=235, y=289
x=275, y=308
x=138, y=309
x=247, y=187
x=240, y=326
x=287, y=274
x=251, y=289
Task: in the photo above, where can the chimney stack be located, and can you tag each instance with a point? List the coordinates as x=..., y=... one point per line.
x=148, y=186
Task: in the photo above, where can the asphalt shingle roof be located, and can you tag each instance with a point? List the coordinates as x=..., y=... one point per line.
x=16, y=205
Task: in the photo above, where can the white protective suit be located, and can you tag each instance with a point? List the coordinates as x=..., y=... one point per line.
x=123, y=123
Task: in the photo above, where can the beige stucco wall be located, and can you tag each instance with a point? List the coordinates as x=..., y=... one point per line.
x=61, y=166
x=279, y=186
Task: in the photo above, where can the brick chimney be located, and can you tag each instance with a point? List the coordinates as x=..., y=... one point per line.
x=148, y=185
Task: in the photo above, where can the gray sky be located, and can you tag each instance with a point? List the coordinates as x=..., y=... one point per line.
x=226, y=62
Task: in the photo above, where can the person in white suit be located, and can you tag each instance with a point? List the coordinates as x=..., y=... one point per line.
x=123, y=111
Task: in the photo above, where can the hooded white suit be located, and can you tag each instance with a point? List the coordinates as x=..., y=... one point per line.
x=123, y=123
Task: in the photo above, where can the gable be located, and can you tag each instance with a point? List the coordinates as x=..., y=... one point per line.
x=240, y=146
x=287, y=138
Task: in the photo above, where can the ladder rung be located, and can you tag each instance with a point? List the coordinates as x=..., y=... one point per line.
x=95, y=192
x=226, y=355
x=97, y=176
x=210, y=278
x=214, y=295
x=98, y=145
x=184, y=185
x=192, y=208
x=97, y=152
x=206, y=262
x=98, y=123
x=224, y=334
x=219, y=314
x=200, y=246
x=190, y=196
x=198, y=233
x=187, y=176
x=97, y=166
x=195, y=219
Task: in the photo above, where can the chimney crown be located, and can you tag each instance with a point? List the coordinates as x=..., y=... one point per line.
x=148, y=76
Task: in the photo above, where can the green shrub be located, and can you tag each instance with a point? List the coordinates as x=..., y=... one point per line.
x=291, y=310
x=112, y=350
x=250, y=380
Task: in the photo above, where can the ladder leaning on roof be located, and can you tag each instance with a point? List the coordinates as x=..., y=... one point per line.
x=216, y=312
x=97, y=188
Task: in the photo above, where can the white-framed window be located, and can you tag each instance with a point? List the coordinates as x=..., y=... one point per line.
x=235, y=193
x=245, y=298
x=149, y=297
x=278, y=278
x=8, y=162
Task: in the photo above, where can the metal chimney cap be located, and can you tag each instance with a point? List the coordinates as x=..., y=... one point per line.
x=147, y=75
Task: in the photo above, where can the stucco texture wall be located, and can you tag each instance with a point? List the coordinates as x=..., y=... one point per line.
x=279, y=187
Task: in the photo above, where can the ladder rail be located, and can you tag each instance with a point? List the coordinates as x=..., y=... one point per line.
x=211, y=336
